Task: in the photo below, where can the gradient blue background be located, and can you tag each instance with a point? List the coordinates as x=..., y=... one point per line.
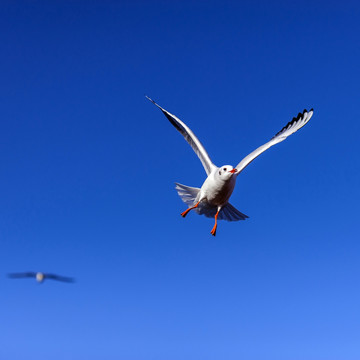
x=88, y=167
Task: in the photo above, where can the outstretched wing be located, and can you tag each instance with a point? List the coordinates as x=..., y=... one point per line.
x=294, y=125
x=190, y=138
x=59, y=278
x=28, y=274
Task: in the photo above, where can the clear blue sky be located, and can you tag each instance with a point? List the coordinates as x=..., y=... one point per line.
x=88, y=167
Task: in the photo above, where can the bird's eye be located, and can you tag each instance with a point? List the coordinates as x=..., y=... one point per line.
x=224, y=169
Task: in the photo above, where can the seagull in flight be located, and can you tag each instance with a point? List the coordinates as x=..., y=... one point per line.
x=212, y=199
x=40, y=277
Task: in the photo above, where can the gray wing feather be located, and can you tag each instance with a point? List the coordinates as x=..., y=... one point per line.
x=188, y=194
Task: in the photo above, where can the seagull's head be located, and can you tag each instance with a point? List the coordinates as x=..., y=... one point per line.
x=40, y=277
x=226, y=172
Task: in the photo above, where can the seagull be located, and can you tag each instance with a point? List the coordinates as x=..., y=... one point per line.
x=40, y=277
x=212, y=199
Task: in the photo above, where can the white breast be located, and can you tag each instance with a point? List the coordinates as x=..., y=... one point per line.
x=216, y=191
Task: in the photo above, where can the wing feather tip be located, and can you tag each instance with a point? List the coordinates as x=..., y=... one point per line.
x=300, y=116
x=151, y=100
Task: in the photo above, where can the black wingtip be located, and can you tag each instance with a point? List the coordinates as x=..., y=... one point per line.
x=150, y=100
x=305, y=111
x=294, y=120
x=163, y=110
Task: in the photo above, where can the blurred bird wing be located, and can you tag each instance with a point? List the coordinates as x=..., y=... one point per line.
x=22, y=275
x=294, y=125
x=190, y=138
x=58, y=278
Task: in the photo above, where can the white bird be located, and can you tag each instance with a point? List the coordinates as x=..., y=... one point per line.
x=40, y=277
x=212, y=198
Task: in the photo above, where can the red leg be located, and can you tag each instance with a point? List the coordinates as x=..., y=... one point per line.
x=213, y=231
x=183, y=214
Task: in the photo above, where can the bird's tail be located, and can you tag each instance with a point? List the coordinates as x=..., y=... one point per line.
x=188, y=194
x=229, y=213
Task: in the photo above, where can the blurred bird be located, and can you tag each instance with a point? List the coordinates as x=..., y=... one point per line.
x=212, y=198
x=40, y=277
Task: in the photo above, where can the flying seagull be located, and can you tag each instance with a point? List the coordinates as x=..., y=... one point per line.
x=212, y=199
x=40, y=277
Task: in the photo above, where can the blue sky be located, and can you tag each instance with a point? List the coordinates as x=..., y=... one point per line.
x=88, y=169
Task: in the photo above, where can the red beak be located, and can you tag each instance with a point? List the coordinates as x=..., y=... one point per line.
x=233, y=171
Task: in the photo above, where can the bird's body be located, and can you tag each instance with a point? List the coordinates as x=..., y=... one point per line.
x=40, y=276
x=212, y=199
x=216, y=190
